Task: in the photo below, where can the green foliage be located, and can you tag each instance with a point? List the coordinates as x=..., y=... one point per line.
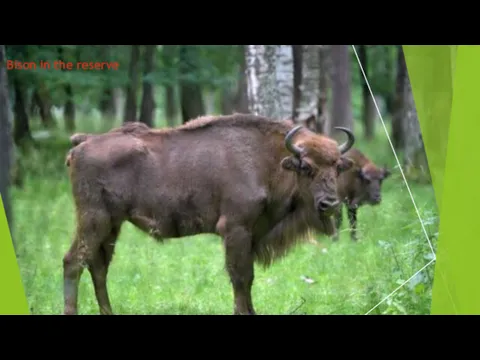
x=187, y=276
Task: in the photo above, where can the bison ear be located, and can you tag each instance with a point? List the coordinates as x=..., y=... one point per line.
x=345, y=164
x=291, y=163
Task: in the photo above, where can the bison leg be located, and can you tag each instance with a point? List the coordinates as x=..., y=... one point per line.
x=239, y=263
x=352, y=218
x=99, y=269
x=92, y=230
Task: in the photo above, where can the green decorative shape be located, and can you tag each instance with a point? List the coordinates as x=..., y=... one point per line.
x=13, y=300
x=430, y=71
x=456, y=287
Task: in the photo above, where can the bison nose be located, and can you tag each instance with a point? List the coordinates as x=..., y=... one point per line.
x=327, y=205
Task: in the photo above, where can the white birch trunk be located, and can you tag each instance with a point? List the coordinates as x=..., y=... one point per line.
x=263, y=94
x=284, y=77
x=310, y=84
x=324, y=118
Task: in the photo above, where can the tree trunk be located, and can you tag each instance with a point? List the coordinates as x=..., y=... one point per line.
x=130, y=113
x=307, y=107
x=323, y=117
x=263, y=95
x=191, y=100
x=398, y=132
x=107, y=101
x=5, y=140
x=107, y=104
x=171, y=105
x=297, y=51
x=41, y=98
x=69, y=111
x=284, y=77
x=415, y=158
x=147, y=112
x=235, y=99
x=368, y=113
x=241, y=98
x=22, y=126
x=69, y=108
x=341, y=87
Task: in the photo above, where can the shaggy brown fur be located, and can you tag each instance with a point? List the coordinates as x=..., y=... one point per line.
x=228, y=175
x=360, y=185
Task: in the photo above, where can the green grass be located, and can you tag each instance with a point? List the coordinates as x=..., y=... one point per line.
x=186, y=276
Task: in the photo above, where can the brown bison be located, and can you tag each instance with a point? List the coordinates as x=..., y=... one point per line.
x=259, y=184
x=359, y=185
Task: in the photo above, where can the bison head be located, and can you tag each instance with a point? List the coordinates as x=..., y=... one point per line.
x=369, y=183
x=318, y=160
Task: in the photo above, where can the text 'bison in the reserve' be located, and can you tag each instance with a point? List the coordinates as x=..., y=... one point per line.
x=359, y=185
x=260, y=184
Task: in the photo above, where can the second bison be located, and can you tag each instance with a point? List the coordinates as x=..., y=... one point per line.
x=360, y=185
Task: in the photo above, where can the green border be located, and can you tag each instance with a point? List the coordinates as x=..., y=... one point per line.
x=445, y=81
x=430, y=71
x=13, y=300
x=457, y=286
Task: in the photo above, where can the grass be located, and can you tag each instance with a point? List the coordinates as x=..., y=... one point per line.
x=186, y=276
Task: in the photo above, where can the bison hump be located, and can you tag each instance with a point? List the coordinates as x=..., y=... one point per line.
x=111, y=151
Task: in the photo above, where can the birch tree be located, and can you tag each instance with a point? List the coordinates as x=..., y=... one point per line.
x=341, y=86
x=323, y=114
x=263, y=93
x=284, y=79
x=309, y=85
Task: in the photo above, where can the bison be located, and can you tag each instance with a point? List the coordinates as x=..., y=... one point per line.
x=360, y=185
x=260, y=184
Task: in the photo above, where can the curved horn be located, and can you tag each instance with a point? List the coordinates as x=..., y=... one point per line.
x=350, y=141
x=295, y=150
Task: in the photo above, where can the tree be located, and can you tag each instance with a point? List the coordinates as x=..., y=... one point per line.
x=147, y=109
x=5, y=137
x=107, y=105
x=241, y=98
x=368, y=108
x=191, y=99
x=171, y=107
x=284, y=80
x=323, y=115
x=341, y=87
x=69, y=109
x=307, y=88
x=132, y=87
x=398, y=132
x=415, y=157
x=263, y=94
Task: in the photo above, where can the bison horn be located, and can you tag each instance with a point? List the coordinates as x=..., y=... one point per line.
x=350, y=141
x=294, y=149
